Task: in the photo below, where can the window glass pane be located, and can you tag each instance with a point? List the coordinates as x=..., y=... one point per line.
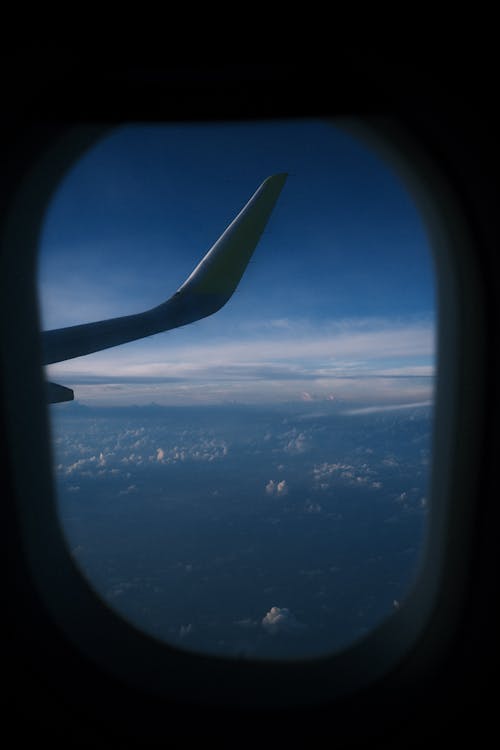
x=255, y=483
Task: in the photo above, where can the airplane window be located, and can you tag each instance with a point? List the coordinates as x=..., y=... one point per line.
x=253, y=482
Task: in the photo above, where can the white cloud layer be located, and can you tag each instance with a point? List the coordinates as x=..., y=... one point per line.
x=346, y=359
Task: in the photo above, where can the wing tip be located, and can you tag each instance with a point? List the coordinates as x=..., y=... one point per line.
x=221, y=269
x=279, y=177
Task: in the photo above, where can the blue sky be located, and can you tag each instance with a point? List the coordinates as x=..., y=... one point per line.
x=337, y=303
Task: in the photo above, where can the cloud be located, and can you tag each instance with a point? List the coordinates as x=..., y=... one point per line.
x=210, y=387
x=325, y=474
x=130, y=490
x=281, y=620
x=246, y=623
x=277, y=488
x=297, y=444
x=82, y=466
x=285, y=361
x=192, y=448
x=390, y=461
x=326, y=470
x=313, y=507
x=345, y=345
x=386, y=407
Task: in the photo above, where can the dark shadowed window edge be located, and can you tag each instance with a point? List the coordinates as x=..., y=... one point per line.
x=415, y=632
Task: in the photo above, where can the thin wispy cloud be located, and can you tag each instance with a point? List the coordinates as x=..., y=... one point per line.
x=339, y=345
x=387, y=407
x=327, y=356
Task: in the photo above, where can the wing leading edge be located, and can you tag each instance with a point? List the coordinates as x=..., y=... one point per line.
x=205, y=291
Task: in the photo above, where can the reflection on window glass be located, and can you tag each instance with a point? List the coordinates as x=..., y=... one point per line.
x=254, y=484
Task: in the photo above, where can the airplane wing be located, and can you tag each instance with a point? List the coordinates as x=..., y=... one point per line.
x=205, y=291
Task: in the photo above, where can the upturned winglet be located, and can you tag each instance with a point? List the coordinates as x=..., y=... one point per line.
x=206, y=290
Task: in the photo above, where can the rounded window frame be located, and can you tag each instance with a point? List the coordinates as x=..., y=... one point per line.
x=418, y=628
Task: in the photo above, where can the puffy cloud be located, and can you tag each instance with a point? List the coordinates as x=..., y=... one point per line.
x=324, y=475
x=130, y=489
x=76, y=466
x=281, y=620
x=324, y=471
x=390, y=461
x=81, y=466
x=277, y=488
x=297, y=444
x=191, y=447
x=313, y=508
